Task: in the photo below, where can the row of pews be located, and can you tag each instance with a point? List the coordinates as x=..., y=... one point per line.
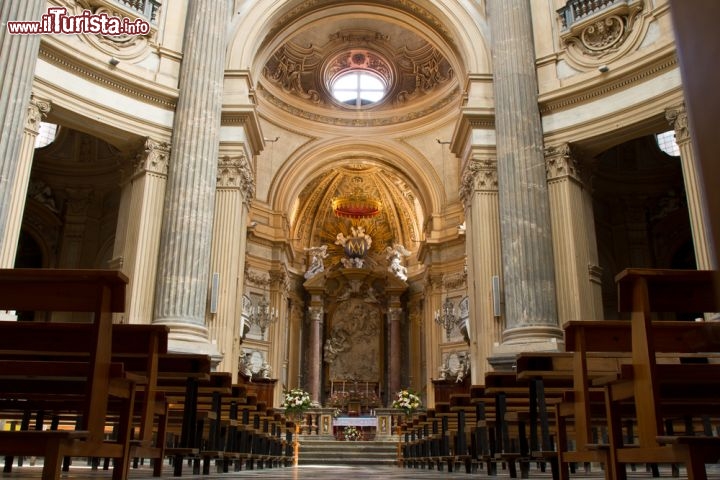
x=624, y=393
x=113, y=393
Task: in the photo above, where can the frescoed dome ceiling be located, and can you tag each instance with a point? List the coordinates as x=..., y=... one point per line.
x=418, y=78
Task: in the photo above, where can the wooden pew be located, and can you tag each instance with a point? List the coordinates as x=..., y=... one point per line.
x=643, y=292
x=103, y=293
x=135, y=347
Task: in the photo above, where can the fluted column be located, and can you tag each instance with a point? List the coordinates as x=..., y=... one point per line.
x=18, y=56
x=137, y=241
x=394, y=318
x=314, y=377
x=479, y=191
x=185, y=241
x=36, y=111
x=577, y=270
x=235, y=185
x=704, y=256
x=527, y=255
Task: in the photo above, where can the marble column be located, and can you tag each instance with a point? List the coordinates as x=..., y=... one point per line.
x=704, y=256
x=394, y=319
x=18, y=57
x=186, y=234
x=577, y=271
x=527, y=256
x=479, y=191
x=235, y=186
x=35, y=112
x=314, y=372
x=137, y=240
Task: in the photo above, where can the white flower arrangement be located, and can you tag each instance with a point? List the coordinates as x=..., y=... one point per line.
x=352, y=434
x=406, y=400
x=296, y=401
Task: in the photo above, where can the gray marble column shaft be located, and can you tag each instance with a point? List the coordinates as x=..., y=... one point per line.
x=185, y=241
x=394, y=316
x=527, y=255
x=18, y=56
x=314, y=373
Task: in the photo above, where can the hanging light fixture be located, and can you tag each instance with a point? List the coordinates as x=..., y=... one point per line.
x=446, y=317
x=263, y=315
x=355, y=206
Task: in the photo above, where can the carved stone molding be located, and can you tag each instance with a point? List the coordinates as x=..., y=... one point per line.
x=122, y=47
x=560, y=163
x=592, y=32
x=36, y=113
x=153, y=157
x=256, y=278
x=480, y=175
x=678, y=120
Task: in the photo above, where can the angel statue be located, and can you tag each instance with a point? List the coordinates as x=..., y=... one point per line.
x=394, y=255
x=316, y=264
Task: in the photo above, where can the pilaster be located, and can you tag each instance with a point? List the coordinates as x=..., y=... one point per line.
x=577, y=273
x=37, y=109
x=479, y=191
x=234, y=181
x=678, y=119
x=137, y=241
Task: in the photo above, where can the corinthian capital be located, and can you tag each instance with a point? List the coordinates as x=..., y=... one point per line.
x=678, y=120
x=235, y=173
x=316, y=314
x=560, y=162
x=153, y=157
x=36, y=113
x=479, y=175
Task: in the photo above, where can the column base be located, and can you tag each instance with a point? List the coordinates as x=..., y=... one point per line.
x=536, y=338
x=190, y=338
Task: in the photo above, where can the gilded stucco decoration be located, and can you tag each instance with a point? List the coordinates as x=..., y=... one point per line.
x=412, y=69
x=594, y=31
x=316, y=224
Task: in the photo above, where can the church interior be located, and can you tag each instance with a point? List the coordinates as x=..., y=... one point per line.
x=355, y=199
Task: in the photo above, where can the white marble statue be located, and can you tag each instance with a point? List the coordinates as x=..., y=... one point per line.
x=394, y=255
x=316, y=263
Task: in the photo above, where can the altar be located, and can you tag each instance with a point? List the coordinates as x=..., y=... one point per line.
x=366, y=425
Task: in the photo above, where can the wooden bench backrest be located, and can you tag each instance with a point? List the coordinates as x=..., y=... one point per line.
x=99, y=291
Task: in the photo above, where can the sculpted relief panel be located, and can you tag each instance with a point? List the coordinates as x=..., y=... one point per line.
x=352, y=348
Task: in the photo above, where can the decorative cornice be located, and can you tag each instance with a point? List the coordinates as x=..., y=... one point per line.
x=135, y=88
x=560, y=163
x=580, y=93
x=355, y=121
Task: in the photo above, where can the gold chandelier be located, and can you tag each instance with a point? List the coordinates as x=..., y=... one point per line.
x=356, y=206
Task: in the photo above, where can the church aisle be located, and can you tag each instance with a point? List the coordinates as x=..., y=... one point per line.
x=325, y=472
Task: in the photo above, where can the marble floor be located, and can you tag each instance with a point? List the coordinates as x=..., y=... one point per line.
x=325, y=472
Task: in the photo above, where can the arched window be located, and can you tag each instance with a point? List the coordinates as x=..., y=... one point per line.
x=358, y=88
